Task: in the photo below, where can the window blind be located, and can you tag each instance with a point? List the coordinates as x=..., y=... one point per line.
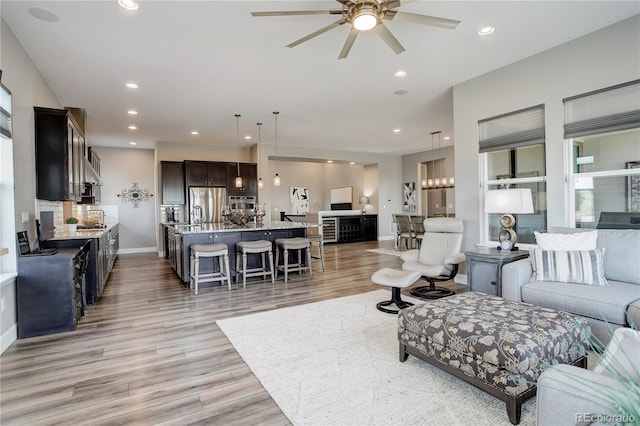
x=5, y=112
x=603, y=111
x=512, y=130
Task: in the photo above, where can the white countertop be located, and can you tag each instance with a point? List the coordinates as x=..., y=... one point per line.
x=221, y=227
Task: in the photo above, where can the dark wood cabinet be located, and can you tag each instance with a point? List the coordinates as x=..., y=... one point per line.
x=50, y=291
x=370, y=227
x=206, y=173
x=60, y=155
x=249, y=174
x=173, y=189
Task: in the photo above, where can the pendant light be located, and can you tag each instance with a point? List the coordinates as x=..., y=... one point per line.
x=440, y=181
x=260, y=181
x=238, y=177
x=276, y=178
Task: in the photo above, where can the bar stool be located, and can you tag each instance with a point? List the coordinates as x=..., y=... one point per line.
x=299, y=244
x=314, y=234
x=244, y=248
x=219, y=251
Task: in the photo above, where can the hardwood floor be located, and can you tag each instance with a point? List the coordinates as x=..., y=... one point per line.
x=150, y=351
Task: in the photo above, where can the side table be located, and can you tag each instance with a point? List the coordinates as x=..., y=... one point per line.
x=484, y=268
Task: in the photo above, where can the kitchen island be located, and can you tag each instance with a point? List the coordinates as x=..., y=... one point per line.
x=102, y=254
x=181, y=237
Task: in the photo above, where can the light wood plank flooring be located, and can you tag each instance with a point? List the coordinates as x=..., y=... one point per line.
x=150, y=352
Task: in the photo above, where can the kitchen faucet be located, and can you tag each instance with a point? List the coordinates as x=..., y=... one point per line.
x=197, y=214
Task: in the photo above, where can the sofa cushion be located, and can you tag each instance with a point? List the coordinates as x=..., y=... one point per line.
x=633, y=314
x=620, y=358
x=602, y=303
x=622, y=254
x=579, y=241
x=569, y=266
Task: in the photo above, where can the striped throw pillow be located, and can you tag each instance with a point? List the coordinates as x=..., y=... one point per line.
x=569, y=266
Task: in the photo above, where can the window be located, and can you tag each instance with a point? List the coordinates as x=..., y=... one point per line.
x=602, y=138
x=512, y=148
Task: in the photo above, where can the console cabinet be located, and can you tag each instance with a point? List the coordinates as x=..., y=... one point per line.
x=60, y=155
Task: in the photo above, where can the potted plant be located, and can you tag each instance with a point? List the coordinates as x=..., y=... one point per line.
x=72, y=224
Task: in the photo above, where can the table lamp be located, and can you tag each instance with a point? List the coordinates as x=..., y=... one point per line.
x=364, y=200
x=508, y=202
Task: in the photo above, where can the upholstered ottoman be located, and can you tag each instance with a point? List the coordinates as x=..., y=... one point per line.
x=498, y=345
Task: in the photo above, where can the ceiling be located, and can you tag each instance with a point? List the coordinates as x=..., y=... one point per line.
x=198, y=63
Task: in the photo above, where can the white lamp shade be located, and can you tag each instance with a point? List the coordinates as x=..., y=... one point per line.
x=364, y=200
x=514, y=201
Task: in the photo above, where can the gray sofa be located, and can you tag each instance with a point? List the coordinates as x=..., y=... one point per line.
x=606, y=308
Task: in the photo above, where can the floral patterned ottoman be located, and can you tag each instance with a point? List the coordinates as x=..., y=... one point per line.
x=500, y=346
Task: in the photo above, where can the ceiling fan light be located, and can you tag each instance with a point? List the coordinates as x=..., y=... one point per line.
x=365, y=19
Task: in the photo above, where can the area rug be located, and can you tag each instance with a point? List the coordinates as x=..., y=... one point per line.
x=336, y=363
x=392, y=252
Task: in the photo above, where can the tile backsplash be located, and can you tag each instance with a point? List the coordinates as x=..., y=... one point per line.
x=63, y=209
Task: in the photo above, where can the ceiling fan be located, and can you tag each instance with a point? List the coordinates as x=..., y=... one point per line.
x=364, y=15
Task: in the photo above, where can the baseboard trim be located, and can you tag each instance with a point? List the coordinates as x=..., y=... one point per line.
x=8, y=337
x=460, y=279
x=386, y=237
x=138, y=250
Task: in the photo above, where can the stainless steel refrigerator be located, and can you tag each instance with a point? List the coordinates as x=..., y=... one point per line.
x=206, y=203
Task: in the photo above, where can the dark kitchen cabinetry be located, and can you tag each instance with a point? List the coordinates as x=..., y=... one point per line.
x=183, y=254
x=205, y=173
x=50, y=291
x=370, y=227
x=249, y=174
x=172, y=182
x=60, y=155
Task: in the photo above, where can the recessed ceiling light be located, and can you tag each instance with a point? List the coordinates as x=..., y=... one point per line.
x=128, y=4
x=401, y=92
x=195, y=132
x=329, y=161
x=352, y=162
x=400, y=73
x=43, y=14
x=132, y=143
x=133, y=128
x=396, y=130
x=247, y=137
x=132, y=112
x=486, y=31
x=132, y=85
x=446, y=138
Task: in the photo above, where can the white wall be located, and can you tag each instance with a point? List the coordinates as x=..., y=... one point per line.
x=120, y=168
x=600, y=59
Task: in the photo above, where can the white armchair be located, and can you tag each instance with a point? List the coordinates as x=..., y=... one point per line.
x=610, y=394
x=438, y=257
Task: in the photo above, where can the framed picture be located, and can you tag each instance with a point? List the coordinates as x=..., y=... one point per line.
x=409, y=197
x=633, y=188
x=298, y=200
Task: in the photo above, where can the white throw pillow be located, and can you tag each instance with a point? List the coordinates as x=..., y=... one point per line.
x=577, y=241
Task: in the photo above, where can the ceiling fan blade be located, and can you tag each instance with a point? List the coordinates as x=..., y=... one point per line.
x=388, y=38
x=317, y=33
x=414, y=18
x=392, y=4
x=298, y=12
x=348, y=43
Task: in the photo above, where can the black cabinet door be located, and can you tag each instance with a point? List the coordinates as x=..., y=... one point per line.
x=59, y=155
x=249, y=174
x=370, y=227
x=206, y=173
x=197, y=173
x=172, y=182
